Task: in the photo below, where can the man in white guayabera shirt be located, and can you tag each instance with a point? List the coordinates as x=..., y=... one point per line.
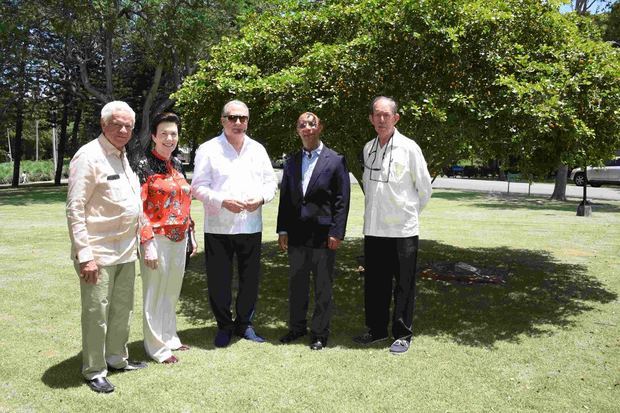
x=233, y=178
x=397, y=186
x=103, y=213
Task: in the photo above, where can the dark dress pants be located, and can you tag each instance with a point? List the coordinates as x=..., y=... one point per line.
x=220, y=249
x=388, y=259
x=302, y=261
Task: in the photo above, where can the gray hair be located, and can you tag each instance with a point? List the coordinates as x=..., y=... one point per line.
x=116, y=106
x=390, y=100
x=234, y=102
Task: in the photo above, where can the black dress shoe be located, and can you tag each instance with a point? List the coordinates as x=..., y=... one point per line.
x=318, y=343
x=131, y=365
x=292, y=336
x=100, y=385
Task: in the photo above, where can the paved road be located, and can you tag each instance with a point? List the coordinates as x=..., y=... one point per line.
x=479, y=185
x=572, y=191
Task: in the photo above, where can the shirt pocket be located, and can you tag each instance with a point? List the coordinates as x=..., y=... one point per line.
x=115, y=190
x=400, y=166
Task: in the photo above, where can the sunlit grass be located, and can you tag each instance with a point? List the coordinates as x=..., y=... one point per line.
x=547, y=340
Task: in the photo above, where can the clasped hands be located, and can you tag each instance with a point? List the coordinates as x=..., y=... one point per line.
x=332, y=242
x=236, y=206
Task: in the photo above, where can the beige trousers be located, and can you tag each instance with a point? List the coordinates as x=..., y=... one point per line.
x=106, y=313
x=161, y=288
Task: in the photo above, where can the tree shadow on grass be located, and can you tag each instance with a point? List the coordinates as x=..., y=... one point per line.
x=540, y=294
x=33, y=195
x=521, y=201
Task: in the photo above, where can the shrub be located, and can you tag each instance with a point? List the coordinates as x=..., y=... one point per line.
x=36, y=170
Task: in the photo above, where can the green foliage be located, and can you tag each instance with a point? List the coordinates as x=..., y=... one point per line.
x=35, y=170
x=493, y=79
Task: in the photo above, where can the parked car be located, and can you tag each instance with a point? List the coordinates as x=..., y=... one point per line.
x=597, y=176
x=184, y=154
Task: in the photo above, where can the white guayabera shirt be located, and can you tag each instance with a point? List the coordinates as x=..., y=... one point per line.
x=221, y=173
x=397, y=187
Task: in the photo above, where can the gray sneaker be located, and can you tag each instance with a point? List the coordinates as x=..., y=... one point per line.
x=399, y=346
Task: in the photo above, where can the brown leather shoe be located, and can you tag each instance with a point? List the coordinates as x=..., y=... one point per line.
x=171, y=360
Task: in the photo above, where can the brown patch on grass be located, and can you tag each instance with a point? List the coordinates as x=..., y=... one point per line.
x=577, y=253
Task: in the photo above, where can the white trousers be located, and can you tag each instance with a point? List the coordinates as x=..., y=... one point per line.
x=160, y=290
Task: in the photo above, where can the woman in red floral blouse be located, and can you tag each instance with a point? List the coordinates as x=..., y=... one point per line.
x=166, y=198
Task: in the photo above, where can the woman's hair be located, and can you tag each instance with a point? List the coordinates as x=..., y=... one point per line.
x=164, y=117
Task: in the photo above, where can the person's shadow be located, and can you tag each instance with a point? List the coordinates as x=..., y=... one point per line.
x=67, y=373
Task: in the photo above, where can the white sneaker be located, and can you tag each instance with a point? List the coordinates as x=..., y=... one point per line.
x=400, y=346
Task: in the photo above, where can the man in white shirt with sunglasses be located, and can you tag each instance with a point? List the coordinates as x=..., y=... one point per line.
x=233, y=178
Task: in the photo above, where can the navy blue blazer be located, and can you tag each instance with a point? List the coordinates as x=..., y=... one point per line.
x=309, y=220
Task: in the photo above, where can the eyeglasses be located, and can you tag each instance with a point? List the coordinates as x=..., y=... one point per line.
x=302, y=125
x=374, y=176
x=235, y=118
x=120, y=126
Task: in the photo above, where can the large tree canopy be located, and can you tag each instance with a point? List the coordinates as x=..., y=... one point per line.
x=493, y=79
x=64, y=59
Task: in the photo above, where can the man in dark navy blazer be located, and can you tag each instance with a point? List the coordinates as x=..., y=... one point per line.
x=312, y=217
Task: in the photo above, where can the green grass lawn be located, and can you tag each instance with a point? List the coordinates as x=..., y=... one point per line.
x=546, y=340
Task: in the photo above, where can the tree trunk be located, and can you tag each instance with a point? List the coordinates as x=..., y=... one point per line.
x=559, y=190
x=17, y=144
x=583, y=6
x=62, y=143
x=19, y=125
x=144, y=134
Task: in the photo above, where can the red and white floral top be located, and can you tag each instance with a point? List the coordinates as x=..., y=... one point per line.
x=166, y=198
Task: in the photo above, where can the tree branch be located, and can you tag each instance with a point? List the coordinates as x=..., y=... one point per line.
x=100, y=96
x=148, y=102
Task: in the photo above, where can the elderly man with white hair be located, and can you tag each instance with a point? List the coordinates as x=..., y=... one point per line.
x=103, y=212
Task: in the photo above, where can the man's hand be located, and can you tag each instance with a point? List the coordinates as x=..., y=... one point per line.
x=233, y=206
x=283, y=242
x=252, y=205
x=150, y=255
x=89, y=272
x=333, y=243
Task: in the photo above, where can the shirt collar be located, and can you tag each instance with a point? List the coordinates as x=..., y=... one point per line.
x=391, y=140
x=316, y=151
x=224, y=141
x=108, y=147
x=158, y=156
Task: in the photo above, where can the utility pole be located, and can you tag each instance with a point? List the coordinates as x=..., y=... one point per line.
x=54, y=149
x=8, y=138
x=36, y=134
